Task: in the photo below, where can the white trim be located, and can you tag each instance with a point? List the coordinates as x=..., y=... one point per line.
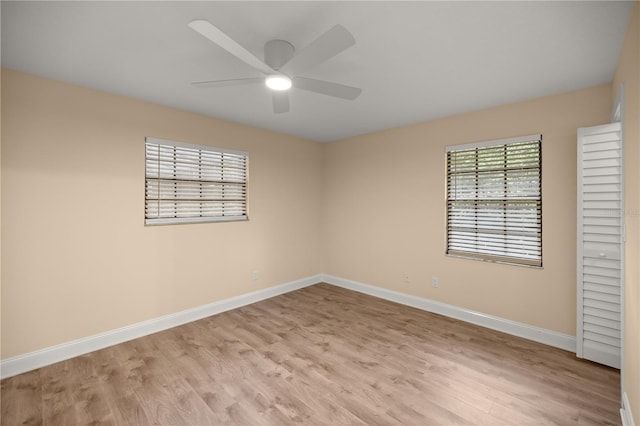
x=617, y=115
x=579, y=252
x=484, y=144
x=167, y=142
x=30, y=361
x=625, y=412
x=537, y=334
x=617, y=112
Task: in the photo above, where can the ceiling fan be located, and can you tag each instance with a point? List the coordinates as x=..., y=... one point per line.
x=281, y=66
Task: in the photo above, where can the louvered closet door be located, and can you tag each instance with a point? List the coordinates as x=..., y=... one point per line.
x=600, y=225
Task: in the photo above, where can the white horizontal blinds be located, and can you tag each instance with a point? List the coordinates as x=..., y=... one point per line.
x=600, y=243
x=494, y=203
x=191, y=183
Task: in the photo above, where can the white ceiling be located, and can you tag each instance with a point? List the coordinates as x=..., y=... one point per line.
x=415, y=61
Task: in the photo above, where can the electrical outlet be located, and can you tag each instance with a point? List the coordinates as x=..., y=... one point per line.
x=405, y=278
x=256, y=275
x=435, y=282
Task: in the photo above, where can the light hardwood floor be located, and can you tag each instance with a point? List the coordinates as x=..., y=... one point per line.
x=319, y=356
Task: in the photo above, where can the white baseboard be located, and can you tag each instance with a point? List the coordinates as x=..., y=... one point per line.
x=30, y=361
x=537, y=334
x=625, y=411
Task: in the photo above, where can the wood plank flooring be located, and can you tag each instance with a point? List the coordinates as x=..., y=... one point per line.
x=319, y=356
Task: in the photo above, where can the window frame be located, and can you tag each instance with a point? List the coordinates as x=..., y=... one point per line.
x=508, y=258
x=242, y=184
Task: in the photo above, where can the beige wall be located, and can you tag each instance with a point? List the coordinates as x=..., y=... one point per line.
x=384, y=210
x=77, y=259
x=628, y=73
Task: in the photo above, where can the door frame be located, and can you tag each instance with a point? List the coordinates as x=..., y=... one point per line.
x=617, y=114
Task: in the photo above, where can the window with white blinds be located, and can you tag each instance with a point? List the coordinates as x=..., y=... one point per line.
x=187, y=183
x=494, y=200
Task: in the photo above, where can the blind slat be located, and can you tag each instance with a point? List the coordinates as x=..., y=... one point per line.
x=494, y=207
x=191, y=183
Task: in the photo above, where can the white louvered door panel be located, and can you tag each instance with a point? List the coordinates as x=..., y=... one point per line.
x=600, y=230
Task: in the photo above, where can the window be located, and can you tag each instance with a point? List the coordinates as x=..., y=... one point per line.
x=494, y=203
x=190, y=183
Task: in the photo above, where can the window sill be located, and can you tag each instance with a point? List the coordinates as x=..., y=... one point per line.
x=501, y=262
x=193, y=220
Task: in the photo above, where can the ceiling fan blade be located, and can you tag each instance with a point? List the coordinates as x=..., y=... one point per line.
x=280, y=102
x=327, y=88
x=324, y=47
x=209, y=31
x=232, y=82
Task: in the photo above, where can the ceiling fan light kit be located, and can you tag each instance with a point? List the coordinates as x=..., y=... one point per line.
x=278, y=82
x=281, y=63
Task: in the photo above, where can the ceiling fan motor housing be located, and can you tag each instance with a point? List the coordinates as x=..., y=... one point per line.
x=277, y=53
